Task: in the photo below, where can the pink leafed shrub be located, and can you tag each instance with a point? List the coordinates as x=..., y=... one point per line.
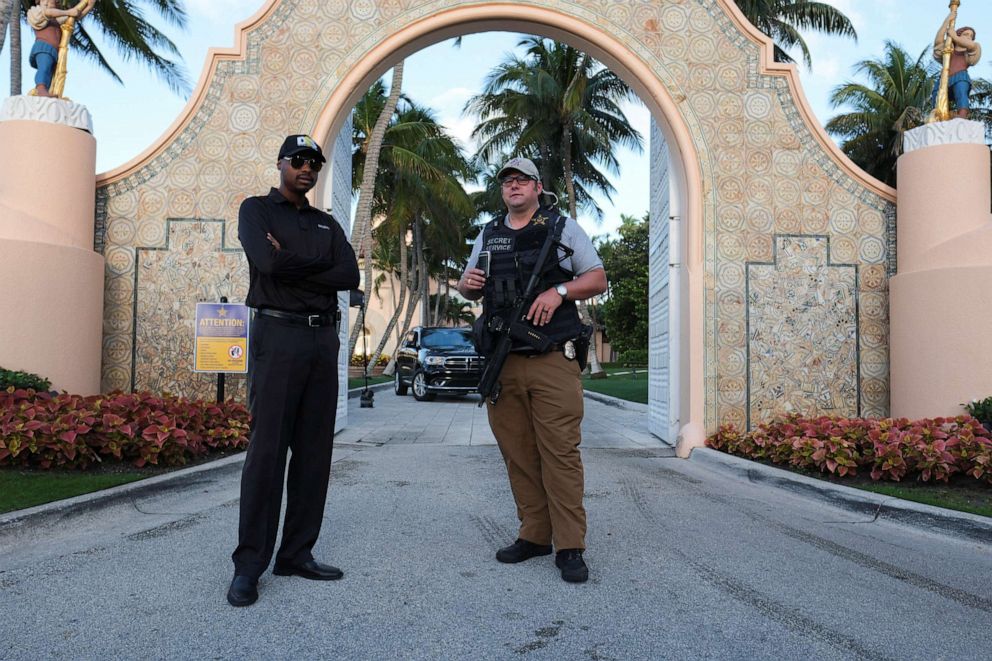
x=887, y=449
x=69, y=431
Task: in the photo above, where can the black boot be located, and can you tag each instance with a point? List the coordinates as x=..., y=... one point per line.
x=521, y=550
x=573, y=567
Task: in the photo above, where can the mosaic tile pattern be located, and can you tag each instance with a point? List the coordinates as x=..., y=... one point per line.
x=802, y=330
x=764, y=171
x=191, y=268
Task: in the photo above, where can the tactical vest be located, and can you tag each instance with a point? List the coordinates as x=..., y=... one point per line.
x=513, y=256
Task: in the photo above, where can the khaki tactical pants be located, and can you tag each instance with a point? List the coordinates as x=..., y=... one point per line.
x=536, y=421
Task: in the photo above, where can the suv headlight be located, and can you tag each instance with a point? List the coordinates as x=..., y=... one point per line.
x=434, y=360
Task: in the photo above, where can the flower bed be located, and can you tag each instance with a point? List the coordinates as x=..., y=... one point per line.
x=887, y=449
x=70, y=431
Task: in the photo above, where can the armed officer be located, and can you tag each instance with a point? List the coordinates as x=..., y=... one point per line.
x=537, y=416
x=298, y=260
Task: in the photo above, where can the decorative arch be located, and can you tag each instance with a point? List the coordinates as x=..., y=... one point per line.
x=750, y=163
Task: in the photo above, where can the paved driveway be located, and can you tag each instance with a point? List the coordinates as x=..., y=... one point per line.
x=461, y=421
x=686, y=563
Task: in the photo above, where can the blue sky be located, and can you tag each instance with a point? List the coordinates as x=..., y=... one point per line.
x=129, y=118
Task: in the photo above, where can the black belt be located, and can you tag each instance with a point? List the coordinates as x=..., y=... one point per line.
x=311, y=320
x=530, y=353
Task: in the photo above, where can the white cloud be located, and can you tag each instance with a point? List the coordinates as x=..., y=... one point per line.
x=461, y=128
x=452, y=98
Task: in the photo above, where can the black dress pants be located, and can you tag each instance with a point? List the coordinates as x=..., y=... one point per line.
x=292, y=396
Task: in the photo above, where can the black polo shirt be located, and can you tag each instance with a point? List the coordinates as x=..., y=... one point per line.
x=314, y=263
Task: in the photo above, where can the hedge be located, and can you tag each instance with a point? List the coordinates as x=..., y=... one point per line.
x=358, y=360
x=633, y=358
x=887, y=449
x=17, y=379
x=41, y=430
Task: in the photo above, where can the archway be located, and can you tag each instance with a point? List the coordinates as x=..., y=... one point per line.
x=753, y=172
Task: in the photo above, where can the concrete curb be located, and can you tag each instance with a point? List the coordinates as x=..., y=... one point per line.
x=887, y=508
x=171, y=481
x=616, y=402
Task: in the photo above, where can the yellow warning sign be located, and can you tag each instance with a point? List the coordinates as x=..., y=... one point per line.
x=221, y=338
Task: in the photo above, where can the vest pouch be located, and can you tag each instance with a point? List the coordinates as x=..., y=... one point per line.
x=479, y=333
x=484, y=333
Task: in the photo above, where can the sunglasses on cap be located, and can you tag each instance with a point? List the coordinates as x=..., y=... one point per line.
x=296, y=162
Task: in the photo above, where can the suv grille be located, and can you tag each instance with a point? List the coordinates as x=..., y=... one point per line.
x=463, y=363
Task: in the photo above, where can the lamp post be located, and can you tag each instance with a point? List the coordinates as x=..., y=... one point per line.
x=357, y=300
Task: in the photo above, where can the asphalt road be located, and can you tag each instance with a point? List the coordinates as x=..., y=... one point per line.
x=685, y=562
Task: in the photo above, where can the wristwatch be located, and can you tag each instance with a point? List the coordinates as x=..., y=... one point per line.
x=562, y=292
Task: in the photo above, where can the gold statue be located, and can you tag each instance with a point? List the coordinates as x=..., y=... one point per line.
x=53, y=32
x=957, y=50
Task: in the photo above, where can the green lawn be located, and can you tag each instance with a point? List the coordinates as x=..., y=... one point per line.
x=359, y=382
x=27, y=488
x=961, y=495
x=626, y=383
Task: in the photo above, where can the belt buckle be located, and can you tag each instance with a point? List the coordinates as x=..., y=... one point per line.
x=313, y=320
x=569, y=350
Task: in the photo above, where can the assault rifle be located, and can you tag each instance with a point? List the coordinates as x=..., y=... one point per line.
x=516, y=327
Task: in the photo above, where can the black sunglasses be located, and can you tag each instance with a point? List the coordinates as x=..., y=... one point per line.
x=296, y=162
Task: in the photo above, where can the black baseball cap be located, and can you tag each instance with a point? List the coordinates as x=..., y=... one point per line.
x=298, y=144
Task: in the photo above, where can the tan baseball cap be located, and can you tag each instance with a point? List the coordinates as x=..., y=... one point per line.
x=521, y=165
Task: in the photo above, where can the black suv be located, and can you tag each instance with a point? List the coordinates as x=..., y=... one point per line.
x=437, y=360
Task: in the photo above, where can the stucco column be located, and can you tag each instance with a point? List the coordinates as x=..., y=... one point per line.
x=941, y=298
x=52, y=299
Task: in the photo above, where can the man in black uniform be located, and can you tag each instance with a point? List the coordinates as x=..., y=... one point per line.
x=298, y=260
x=537, y=417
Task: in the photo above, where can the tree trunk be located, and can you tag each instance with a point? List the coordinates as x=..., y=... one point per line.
x=439, y=310
x=411, y=307
x=396, y=311
x=436, y=319
x=546, y=164
x=595, y=369
x=15, y=48
x=6, y=7
x=361, y=232
x=422, y=289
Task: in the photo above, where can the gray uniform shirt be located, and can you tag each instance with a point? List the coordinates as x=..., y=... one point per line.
x=585, y=258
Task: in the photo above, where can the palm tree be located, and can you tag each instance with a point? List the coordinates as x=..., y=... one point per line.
x=782, y=20
x=895, y=99
x=456, y=312
x=372, y=136
x=6, y=16
x=122, y=25
x=417, y=188
x=560, y=107
x=14, y=12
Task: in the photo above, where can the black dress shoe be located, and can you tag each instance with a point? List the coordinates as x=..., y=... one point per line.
x=521, y=550
x=310, y=569
x=573, y=567
x=243, y=591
